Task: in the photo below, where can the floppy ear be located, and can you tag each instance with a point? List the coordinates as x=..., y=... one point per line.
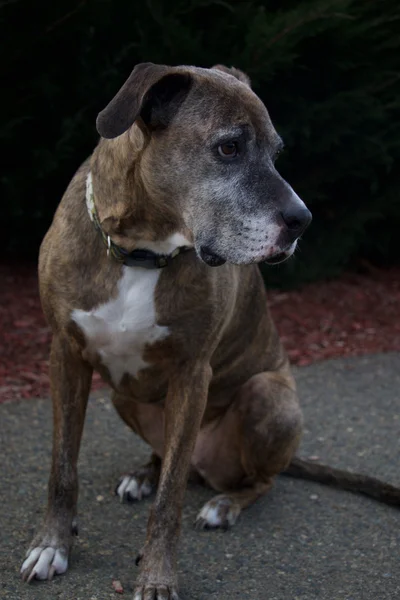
x=151, y=92
x=235, y=72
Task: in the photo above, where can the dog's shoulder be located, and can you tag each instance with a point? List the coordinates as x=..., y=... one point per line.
x=68, y=276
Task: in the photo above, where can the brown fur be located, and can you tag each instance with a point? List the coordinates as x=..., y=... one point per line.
x=218, y=398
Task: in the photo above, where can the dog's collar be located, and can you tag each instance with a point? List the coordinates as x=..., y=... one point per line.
x=146, y=259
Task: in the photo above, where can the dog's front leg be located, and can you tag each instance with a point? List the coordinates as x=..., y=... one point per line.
x=184, y=408
x=70, y=379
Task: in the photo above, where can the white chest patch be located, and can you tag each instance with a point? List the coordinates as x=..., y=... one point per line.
x=119, y=329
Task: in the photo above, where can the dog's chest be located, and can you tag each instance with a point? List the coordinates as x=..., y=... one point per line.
x=119, y=330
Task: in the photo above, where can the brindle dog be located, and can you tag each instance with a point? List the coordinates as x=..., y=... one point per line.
x=185, y=169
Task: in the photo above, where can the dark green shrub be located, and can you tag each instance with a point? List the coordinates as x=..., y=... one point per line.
x=329, y=72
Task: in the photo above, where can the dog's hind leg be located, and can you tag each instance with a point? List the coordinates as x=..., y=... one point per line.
x=147, y=421
x=253, y=442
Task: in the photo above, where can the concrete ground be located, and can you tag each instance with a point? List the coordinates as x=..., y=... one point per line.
x=301, y=542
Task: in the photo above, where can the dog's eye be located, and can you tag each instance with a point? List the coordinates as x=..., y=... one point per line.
x=228, y=150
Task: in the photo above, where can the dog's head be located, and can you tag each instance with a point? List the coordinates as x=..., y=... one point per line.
x=211, y=148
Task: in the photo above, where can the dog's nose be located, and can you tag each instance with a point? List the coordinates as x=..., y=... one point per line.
x=296, y=219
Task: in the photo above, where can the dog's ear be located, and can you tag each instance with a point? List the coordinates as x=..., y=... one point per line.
x=152, y=93
x=235, y=72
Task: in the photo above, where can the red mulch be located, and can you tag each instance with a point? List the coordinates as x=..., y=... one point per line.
x=354, y=315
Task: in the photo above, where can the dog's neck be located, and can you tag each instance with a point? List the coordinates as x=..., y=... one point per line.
x=127, y=211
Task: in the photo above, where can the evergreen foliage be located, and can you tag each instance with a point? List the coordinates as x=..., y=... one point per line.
x=328, y=71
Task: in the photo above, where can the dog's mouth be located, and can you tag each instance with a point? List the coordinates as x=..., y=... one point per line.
x=278, y=258
x=215, y=260
x=281, y=256
x=210, y=258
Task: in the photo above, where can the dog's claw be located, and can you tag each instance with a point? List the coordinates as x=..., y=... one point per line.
x=200, y=524
x=31, y=576
x=52, y=571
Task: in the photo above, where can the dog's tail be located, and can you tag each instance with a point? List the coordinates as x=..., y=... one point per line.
x=346, y=480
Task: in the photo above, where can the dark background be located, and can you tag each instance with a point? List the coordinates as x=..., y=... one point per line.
x=328, y=71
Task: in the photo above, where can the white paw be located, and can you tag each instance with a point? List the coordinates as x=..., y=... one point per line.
x=220, y=511
x=130, y=488
x=43, y=563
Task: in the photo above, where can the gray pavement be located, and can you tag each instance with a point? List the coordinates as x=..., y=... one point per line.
x=301, y=542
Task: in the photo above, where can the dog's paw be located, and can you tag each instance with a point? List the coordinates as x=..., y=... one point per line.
x=131, y=488
x=43, y=562
x=221, y=511
x=155, y=592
